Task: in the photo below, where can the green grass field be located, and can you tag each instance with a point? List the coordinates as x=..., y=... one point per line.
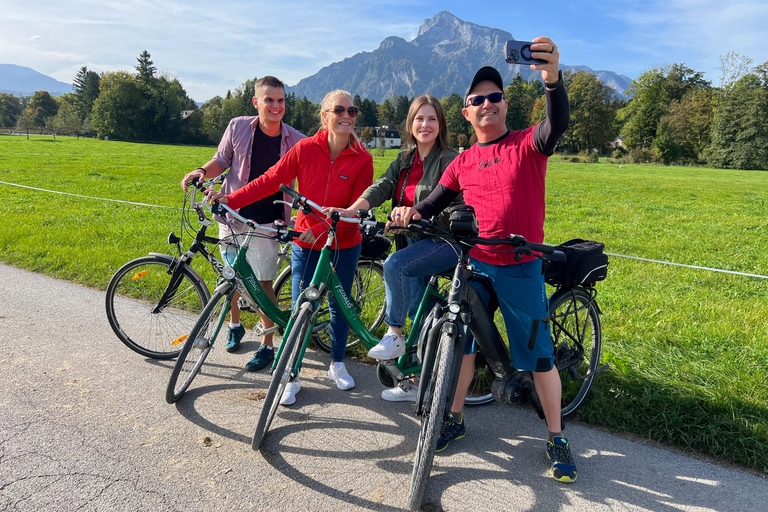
x=688, y=348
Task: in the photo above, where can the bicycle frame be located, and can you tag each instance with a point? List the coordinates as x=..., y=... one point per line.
x=325, y=280
x=245, y=281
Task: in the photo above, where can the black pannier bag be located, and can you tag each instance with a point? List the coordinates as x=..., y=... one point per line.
x=375, y=247
x=462, y=220
x=584, y=263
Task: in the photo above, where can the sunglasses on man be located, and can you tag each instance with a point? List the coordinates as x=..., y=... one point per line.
x=494, y=97
x=339, y=110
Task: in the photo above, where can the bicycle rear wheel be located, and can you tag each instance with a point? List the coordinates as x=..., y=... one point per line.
x=431, y=421
x=367, y=293
x=281, y=373
x=134, y=310
x=283, y=292
x=577, y=336
x=199, y=343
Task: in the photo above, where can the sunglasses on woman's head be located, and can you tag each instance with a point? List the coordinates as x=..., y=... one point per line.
x=494, y=97
x=339, y=110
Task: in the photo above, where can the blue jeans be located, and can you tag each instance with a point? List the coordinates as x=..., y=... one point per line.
x=404, y=273
x=303, y=263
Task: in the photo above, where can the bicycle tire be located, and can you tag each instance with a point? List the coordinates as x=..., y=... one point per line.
x=132, y=295
x=199, y=343
x=367, y=292
x=284, y=295
x=280, y=377
x=479, y=392
x=431, y=421
x=574, y=316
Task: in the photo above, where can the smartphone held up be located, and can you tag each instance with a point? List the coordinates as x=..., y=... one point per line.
x=519, y=52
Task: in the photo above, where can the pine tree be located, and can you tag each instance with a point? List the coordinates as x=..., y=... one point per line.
x=145, y=67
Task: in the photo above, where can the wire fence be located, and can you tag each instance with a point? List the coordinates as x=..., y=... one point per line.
x=177, y=208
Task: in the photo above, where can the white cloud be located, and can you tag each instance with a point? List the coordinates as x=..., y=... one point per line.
x=215, y=48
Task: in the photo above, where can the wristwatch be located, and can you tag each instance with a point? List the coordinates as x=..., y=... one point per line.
x=552, y=87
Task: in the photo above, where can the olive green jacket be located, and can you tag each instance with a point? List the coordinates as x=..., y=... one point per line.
x=385, y=188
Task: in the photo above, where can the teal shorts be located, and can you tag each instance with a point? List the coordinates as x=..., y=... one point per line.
x=523, y=300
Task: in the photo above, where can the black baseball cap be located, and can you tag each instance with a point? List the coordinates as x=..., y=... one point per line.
x=485, y=73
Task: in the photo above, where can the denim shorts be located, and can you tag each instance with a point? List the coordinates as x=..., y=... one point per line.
x=523, y=300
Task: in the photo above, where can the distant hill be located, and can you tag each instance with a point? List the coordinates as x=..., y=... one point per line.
x=441, y=60
x=21, y=81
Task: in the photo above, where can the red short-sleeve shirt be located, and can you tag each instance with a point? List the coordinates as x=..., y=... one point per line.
x=504, y=182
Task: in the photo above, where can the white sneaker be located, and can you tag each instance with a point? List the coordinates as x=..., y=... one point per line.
x=398, y=394
x=391, y=346
x=289, y=393
x=338, y=373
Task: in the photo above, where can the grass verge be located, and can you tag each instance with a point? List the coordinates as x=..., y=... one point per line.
x=688, y=348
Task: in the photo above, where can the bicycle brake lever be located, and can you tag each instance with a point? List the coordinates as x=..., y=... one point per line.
x=217, y=209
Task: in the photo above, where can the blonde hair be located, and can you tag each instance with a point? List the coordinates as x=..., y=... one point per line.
x=355, y=142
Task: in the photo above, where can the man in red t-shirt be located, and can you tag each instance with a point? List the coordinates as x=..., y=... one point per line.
x=503, y=178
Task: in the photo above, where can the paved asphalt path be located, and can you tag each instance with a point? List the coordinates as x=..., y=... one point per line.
x=84, y=426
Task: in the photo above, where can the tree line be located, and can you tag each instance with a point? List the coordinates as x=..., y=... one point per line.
x=673, y=115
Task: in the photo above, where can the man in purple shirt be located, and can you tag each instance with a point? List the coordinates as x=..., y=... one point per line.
x=248, y=148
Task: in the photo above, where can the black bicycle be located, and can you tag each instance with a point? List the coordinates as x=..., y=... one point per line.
x=575, y=329
x=153, y=302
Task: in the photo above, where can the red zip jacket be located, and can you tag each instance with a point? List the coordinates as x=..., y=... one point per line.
x=336, y=183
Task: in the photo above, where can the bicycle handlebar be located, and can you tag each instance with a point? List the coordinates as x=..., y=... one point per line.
x=319, y=209
x=283, y=232
x=202, y=184
x=522, y=246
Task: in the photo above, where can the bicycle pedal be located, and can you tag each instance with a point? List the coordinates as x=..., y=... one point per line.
x=245, y=306
x=259, y=329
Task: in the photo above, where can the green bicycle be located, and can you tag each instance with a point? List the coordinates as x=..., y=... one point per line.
x=302, y=323
x=239, y=277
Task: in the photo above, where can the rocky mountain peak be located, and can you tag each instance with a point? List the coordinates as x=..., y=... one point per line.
x=440, y=60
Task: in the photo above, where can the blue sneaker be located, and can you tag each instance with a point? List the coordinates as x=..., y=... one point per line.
x=559, y=454
x=260, y=359
x=450, y=431
x=233, y=338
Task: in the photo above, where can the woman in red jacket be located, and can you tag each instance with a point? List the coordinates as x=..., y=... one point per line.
x=333, y=169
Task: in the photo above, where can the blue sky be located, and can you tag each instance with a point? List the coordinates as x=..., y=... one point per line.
x=212, y=47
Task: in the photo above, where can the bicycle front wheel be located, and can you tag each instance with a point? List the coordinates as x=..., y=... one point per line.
x=199, y=343
x=577, y=336
x=283, y=292
x=431, y=420
x=134, y=310
x=281, y=373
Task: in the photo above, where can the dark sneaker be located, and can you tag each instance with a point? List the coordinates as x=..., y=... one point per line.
x=451, y=431
x=559, y=454
x=233, y=338
x=260, y=359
